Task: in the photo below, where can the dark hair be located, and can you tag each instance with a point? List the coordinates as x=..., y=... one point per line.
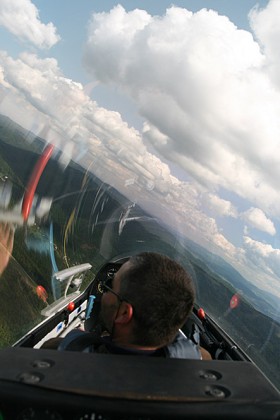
x=162, y=295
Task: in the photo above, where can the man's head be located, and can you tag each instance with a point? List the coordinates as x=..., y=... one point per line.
x=154, y=296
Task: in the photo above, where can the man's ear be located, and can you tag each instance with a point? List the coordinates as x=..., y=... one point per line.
x=125, y=313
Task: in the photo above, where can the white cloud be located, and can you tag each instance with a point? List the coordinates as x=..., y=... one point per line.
x=263, y=255
x=204, y=89
x=219, y=206
x=64, y=113
x=265, y=23
x=21, y=18
x=258, y=220
x=43, y=86
x=50, y=99
x=203, y=114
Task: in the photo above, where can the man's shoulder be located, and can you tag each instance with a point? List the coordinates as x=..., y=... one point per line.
x=183, y=348
x=78, y=340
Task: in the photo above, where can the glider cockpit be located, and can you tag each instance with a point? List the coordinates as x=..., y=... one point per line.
x=42, y=384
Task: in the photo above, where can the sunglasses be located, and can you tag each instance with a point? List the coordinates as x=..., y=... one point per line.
x=106, y=286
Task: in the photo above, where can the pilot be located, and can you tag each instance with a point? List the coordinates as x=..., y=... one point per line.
x=143, y=308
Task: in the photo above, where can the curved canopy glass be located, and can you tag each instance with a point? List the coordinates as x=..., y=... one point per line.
x=125, y=129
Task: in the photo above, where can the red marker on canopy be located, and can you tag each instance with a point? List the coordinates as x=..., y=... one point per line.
x=33, y=181
x=42, y=293
x=201, y=314
x=234, y=301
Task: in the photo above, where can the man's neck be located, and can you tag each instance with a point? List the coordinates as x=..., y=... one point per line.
x=134, y=346
x=127, y=342
x=122, y=336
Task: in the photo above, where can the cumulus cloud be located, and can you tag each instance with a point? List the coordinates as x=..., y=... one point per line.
x=203, y=87
x=21, y=18
x=198, y=95
x=258, y=220
x=219, y=206
x=41, y=83
x=52, y=100
x=263, y=255
x=64, y=113
x=265, y=23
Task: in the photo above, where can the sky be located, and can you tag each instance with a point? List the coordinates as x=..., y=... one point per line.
x=180, y=102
